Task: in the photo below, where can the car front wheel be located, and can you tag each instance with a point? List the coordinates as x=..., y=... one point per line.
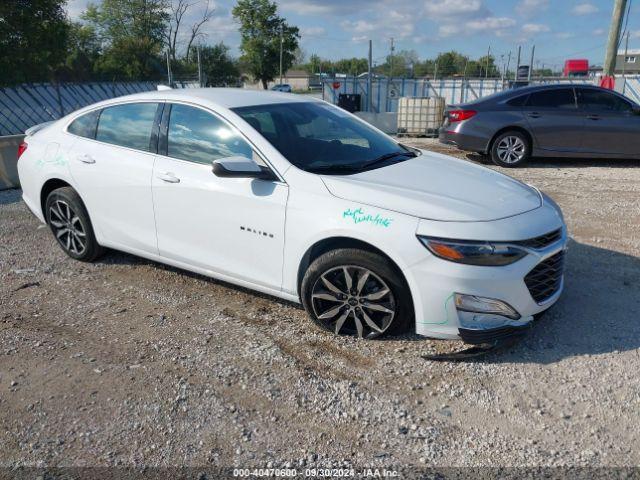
x=69, y=221
x=511, y=149
x=357, y=292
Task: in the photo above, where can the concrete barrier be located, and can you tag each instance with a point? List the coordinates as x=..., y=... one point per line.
x=9, y=161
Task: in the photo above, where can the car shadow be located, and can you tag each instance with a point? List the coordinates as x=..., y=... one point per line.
x=599, y=312
x=558, y=162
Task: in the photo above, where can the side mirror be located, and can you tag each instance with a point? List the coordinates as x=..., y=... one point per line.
x=241, y=167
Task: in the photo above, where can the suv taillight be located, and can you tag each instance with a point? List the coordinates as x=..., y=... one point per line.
x=21, y=149
x=460, y=115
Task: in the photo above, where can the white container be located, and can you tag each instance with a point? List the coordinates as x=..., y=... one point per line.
x=419, y=116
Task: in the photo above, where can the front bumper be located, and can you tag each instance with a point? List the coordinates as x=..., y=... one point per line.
x=439, y=280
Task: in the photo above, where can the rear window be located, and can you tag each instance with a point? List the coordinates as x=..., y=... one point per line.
x=518, y=101
x=127, y=125
x=85, y=125
x=557, y=98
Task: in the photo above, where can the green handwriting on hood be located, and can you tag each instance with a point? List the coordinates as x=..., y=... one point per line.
x=358, y=215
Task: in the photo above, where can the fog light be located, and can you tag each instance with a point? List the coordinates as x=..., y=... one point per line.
x=472, y=303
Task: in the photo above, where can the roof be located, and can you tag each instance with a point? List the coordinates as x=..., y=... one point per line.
x=225, y=97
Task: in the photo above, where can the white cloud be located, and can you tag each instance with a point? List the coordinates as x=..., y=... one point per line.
x=598, y=32
x=312, y=31
x=531, y=7
x=494, y=24
x=584, y=9
x=439, y=9
x=534, y=28
x=634, y=34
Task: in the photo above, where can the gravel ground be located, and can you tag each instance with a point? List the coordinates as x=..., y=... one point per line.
x=128, y=362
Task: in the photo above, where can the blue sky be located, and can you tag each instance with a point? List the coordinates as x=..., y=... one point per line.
x=334, y=29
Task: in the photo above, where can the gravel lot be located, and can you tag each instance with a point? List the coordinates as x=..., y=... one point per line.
x=128, y=362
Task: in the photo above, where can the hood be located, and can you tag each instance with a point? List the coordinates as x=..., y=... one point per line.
x=438, y=187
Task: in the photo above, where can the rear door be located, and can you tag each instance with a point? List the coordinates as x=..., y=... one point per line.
x=113, y=173
x=610, y=124
x=554, y=119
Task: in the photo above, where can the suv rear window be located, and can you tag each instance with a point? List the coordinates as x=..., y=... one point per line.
x=555, y=98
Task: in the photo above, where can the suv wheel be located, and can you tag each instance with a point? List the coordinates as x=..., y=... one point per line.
x=69, y=221
x=511, y=149
x=356, y=292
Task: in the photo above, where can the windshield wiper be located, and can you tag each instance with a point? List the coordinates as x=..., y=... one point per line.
x=334, y=168
x=385, y=157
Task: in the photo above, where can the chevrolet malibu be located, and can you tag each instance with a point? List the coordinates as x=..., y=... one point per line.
x=296, y=198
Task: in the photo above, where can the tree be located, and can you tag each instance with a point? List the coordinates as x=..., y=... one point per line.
x=261, y=31
x=33, y=40
x=178, y=9
x=83, y=50
x=219, y=68
x=132, y=32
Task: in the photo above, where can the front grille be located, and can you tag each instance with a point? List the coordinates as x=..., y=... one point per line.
x=542, y=241
x=494, y=335
x=545, y=279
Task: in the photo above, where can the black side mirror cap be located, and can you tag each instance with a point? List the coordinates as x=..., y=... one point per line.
x=261, y=173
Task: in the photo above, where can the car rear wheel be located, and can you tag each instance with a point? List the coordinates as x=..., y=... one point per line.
x=511, y=149
x=356, y=292
x=69, y=221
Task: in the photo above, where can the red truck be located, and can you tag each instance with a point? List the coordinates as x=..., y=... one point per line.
x=576, y=68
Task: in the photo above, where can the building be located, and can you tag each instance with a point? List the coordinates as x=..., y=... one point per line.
x=628, y=62
x=298, y=79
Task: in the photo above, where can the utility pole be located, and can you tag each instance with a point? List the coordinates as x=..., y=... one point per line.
x=613, y=42
x=169, y=80
x=199, y=66
x=486, y=73
x=369, y=73
x=533, y=53
x=517, y=75
x=391, y=59
x=281, y=45
x=624, y=64
x=506, y=70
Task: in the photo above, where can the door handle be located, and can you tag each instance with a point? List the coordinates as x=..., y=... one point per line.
x=593, y=117
x=86, y=158
x=534, y=115
x=168, y=177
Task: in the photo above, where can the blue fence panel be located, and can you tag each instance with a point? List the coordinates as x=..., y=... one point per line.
x=27, y=105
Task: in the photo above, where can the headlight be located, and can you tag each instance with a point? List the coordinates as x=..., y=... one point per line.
x=473, y=253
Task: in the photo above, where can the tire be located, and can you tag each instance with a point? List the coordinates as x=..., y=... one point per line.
x=69, y=222
x=325, y=293
x=511, y=149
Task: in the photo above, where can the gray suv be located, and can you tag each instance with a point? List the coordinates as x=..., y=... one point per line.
x=546, y=121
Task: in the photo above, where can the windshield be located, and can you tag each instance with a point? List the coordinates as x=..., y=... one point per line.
x=318, y=137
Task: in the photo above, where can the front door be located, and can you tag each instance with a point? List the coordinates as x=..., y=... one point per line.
x=232, y=226
x=611, y=126
x=113, y=175
x=555, y=120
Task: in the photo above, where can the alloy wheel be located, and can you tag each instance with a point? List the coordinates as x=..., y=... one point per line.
x=67, y=227
x=511, y=149
x=353, y=300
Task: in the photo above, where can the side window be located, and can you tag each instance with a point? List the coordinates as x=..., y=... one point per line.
x=198, y=136
x=562, y=98
x=598, y=100
x=518, y=101
x=85, y=125
x=127, y=125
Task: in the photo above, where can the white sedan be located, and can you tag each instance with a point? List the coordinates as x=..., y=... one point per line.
x=296, y=198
